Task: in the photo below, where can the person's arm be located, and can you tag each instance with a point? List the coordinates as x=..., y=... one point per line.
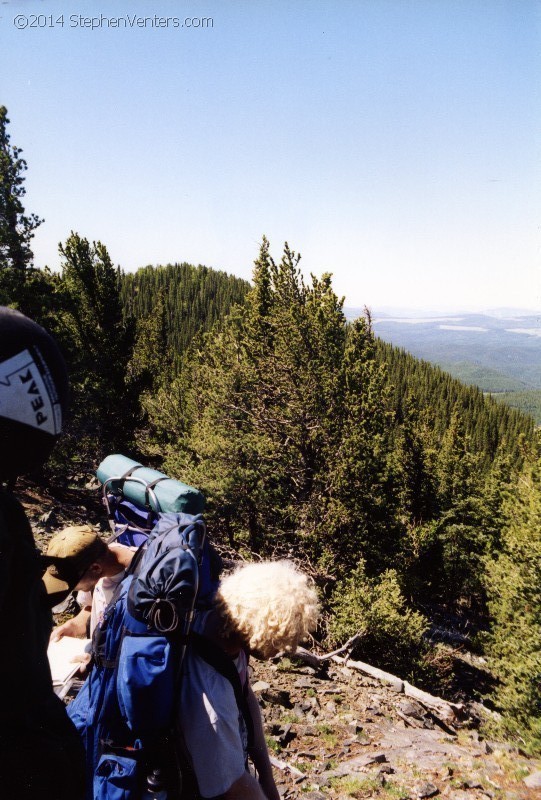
x=259, y=752
x=78, y=626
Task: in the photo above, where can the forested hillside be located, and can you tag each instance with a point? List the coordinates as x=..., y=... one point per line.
x=409, y=497
x=189, y=299
x=491, y=427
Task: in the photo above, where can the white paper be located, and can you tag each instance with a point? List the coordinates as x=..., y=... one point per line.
x=61, y=655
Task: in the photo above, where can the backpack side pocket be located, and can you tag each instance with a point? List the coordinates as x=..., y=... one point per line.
x=116, y=778
x=145, y=683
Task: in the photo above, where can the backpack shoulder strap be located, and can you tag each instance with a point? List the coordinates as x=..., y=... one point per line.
x=223, y=664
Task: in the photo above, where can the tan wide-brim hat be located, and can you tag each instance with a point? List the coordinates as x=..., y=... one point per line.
x=69, y=554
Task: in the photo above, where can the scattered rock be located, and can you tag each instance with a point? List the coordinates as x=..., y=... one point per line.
x=411, y=709
x=303, y=683
x=260, y=686
x=533, y=781
x=375, y=710
x=277, y=697
x=285, y=735
x=307, y=670
x=426, y=790
x=354, y=726
x=473, y=784
x=360, y=762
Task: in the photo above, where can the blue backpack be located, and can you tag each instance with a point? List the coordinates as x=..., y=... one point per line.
x=125, y=709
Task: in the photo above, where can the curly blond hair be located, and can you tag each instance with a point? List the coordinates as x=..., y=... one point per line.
x=271, y=605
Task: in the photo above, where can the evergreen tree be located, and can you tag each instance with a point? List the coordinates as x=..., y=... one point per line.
x=16, y=227
x=285, y=423
x=514, y=592
x=99, y=345
x=361, y=508
x=444, y=554
x=415, y=461
x=374, y=609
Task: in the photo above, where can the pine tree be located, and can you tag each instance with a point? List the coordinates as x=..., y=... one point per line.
x=361, y=513
x=514, y=592
x=99, y=344
x=374, y=609
x=16, y=227
x=286, y=423
x=415, y=466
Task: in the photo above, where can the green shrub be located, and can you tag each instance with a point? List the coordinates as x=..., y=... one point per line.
x=514, y=602
x=392, y=633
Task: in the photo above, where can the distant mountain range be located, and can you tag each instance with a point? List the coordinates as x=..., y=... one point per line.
x=498, y=350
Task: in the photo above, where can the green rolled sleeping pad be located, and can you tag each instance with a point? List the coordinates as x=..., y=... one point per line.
x=172, y=495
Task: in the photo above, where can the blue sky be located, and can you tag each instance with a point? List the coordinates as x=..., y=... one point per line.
x=394, y=143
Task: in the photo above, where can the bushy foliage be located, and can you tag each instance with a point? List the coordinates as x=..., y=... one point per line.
x=491, y=428
x=16, y=227
x=190, y=300
x=98, y=344
x=391, y=632
x=285, y=424
x=514, y=590
x=444, y=552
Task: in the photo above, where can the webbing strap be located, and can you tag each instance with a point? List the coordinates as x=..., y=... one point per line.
x=155, y=482
x=127, y=474
x=223, y=664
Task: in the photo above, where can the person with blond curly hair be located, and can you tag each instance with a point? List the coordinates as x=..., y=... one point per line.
x=260, y=609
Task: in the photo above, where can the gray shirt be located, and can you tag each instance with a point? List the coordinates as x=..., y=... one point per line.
x=210, y=723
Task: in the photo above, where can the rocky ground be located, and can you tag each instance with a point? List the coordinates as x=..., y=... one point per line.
x=335, y=732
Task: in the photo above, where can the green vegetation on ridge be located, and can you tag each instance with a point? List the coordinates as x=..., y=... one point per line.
x=192, y=299
x=399, y=489
x=527, y=402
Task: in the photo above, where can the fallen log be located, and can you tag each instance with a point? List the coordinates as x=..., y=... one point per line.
x=284, y=766
x=449, y=712
x=385, y=677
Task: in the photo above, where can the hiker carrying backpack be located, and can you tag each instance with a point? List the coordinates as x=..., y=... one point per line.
x=138, y=712
x=125, y=710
